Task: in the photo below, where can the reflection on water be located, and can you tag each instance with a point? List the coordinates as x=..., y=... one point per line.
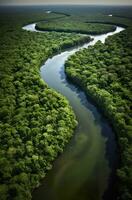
x=82, y=172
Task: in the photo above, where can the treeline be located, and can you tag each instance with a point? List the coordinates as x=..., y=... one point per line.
x=104, y=71
x=70, y=25
x=35, y=121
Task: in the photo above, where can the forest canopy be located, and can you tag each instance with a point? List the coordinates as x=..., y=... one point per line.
x=68, y=25
x=104, y=71
x=35, y=121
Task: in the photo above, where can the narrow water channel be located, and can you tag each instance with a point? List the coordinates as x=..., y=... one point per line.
x=84, y=169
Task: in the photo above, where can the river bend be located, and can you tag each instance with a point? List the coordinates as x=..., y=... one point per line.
x=84, y=170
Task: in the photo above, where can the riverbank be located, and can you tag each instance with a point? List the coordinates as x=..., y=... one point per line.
x=103, y=79
x=87, y=128
x=29, y=118
x=69, y=26
x=35, y=121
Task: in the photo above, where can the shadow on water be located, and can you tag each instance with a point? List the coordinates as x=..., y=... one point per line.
x=106, y=132
x=88, y=103
x=87, y=166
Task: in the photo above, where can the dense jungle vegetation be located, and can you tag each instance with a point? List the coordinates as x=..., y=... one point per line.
x=67, y=25
x=35, y=121
x=104, y=71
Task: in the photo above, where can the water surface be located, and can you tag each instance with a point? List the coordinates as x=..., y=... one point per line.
x=84, y=170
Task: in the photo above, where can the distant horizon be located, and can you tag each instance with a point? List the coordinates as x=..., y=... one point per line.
x=67, y=2
x=61, y=4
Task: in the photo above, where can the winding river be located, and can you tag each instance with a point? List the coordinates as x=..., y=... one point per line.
x=86, y=168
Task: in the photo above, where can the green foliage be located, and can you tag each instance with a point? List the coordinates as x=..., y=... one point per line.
x=35, y=121
x=105, y=72
x=70, y=25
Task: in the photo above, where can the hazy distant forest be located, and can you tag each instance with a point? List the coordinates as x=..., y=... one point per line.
x=36, y=122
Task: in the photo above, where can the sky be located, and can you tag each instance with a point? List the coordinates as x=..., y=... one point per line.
x=98, y=2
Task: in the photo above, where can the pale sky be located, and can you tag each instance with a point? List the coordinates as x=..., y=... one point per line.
x=98, y=2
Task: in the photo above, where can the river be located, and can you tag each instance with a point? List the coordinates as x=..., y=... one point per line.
x=86, y=168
